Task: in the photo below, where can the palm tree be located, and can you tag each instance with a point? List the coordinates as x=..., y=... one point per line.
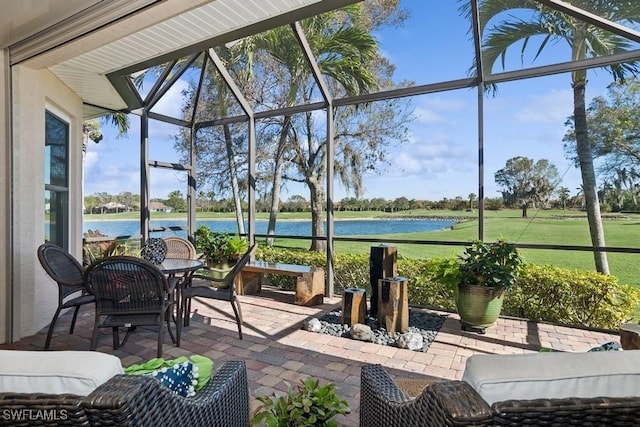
x=585, y=40
x=472, y=198
x=92, y=130
x=343, y=53
x=563, y=195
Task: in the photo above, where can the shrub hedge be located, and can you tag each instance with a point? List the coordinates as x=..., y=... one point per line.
x=542, y=293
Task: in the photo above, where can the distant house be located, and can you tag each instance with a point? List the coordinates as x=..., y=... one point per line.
x=112, y=207
x=159, y=207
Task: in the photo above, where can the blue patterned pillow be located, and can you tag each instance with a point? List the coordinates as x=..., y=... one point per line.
x=179, y=378
x=154, y=250
x=608, y=346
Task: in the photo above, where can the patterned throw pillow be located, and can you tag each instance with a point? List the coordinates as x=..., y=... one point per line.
x=609, y=346
x=155, y=250
x=202, y=367
x=180, y=378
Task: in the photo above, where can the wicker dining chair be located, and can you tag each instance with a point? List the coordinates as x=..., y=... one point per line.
x=218, y=289
x=68, y=274
x=129, y=292
x=177, y=247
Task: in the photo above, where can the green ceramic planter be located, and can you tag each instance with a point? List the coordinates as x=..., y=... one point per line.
x=218, y=270
x=478, y=306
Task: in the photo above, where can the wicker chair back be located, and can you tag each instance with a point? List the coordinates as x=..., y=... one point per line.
x=68, y=274
x=129, y=292
x=225, y=291
x=177, y=247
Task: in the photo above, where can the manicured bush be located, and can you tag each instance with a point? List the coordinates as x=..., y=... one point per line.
x=541, y=293
x=571, y=297
x=351, y=271
x=289, y=256
x=434, y=285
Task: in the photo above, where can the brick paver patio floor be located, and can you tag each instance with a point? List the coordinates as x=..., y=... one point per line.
x=278, y=352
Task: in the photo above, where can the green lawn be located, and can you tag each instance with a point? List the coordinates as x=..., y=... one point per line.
x=543, y=227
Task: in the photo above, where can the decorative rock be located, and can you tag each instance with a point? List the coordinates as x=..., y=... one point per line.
x=313, y=325
x=361, y=332
x=411, y=340
x=420, y=322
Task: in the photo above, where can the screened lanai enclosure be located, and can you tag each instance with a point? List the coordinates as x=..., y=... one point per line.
x=398, y=106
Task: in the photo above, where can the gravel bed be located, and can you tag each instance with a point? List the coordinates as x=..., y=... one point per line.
x=421, y=322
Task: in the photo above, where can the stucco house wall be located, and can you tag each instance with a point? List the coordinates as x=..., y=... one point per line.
x=33, y=92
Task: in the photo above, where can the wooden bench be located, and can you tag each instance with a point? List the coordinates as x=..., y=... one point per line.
x=309, y=282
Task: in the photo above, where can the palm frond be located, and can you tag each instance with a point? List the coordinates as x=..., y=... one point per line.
x=120, y=121
x=507, y=34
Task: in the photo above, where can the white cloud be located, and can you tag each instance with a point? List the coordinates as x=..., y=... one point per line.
x=171, y=102
x=436, y=110
x=449, y=104
x=552, y=107
x=112, y=179
x=428, y=155
x=426, y=116
x=91, y=159
x=163, y=181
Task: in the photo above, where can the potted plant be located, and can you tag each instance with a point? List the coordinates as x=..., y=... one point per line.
x=213, y=245
x=486, y=271
x=308, y=405
x=236, y=247
x=220, y=249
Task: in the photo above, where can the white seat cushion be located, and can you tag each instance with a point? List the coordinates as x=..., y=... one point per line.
x=554, y=375
x=56, y=372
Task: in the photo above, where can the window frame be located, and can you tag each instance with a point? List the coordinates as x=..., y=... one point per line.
x=59, y=229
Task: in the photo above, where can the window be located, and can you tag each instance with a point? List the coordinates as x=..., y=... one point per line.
x=56, y=180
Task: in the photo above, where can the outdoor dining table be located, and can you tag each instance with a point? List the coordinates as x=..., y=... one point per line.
x=173, y=266
x=179, y=271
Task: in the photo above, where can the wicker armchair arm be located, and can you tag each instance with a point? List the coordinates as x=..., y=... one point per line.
x=456, y=403
x=143, y=401
x=446, y=403
x=600, y=411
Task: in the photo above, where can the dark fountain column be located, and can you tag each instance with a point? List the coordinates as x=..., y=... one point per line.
x=382, y=263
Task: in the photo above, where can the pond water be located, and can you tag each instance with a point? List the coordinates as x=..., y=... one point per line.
x=284, y=228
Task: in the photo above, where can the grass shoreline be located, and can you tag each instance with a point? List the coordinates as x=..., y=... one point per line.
x=552, y=227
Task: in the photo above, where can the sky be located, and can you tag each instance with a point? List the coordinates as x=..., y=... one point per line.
x=525, y=118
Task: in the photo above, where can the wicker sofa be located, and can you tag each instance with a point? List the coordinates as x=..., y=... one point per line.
x=580, y=394
x=136, y=400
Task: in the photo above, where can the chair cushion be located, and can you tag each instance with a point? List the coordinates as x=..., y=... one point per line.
x=56, y=372
x=554, y=375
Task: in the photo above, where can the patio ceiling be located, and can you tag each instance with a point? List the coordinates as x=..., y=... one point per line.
x=148, y=34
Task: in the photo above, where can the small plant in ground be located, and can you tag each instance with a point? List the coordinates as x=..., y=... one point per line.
x=308, y=405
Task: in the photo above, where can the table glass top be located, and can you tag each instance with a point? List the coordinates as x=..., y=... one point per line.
x=177, y=265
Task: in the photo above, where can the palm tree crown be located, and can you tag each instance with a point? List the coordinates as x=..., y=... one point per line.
x=528, y=23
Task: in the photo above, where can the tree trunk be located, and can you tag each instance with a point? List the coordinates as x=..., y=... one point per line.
x=524, y=210
x=589, y=186
x=275, y=201
x=276, y=182
x=233, y=172
x=317, y=216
